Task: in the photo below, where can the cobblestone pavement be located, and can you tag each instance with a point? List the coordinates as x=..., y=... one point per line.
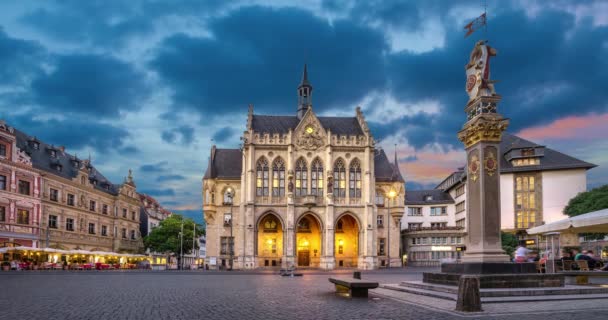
x=236, y=295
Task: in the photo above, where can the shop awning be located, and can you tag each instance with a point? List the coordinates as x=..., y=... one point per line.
x=591, y=222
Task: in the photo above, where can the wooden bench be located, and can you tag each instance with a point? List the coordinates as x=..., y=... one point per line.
x=355, y=287
x=582, y=277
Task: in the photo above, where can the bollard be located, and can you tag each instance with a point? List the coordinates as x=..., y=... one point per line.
x=469, y=299
x=357, y=275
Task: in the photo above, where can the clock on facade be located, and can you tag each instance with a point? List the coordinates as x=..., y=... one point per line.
x=310, y=129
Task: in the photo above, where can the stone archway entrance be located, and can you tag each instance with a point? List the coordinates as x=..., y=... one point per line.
x=346, y=242
x=308, y=242
x=270, y=241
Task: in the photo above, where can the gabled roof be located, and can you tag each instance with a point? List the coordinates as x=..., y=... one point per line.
x=42, y=160
x=417, y=197
x=282, y=124
x=384, y=170
x=551, y=160
x=224, y=164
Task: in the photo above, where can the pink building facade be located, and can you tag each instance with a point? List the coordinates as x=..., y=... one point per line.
x=20, y=196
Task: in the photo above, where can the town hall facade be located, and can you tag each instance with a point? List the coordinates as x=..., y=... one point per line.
x=303, y=191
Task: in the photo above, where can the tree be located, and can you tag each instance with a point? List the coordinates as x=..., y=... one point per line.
x=585, y=202
x=166, y=237
x=509, y=243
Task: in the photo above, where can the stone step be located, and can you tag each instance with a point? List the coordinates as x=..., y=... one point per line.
x=544, y=298
x=429, y=286
x=418, y=291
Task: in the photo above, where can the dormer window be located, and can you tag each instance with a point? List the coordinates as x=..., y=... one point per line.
x=428, y=198
x=53, y=153
x=58, y=167
x=527, y=152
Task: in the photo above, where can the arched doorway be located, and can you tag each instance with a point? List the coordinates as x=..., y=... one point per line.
x=308, y=241
x=270, y=241
x=346, y=238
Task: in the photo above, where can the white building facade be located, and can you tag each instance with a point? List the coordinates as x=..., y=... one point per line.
x=536, y=184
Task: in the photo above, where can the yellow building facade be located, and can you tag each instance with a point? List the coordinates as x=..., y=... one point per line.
x=304, y=191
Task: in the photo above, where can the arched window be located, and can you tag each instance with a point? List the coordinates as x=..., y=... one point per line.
x=379, y=198
x=339, y=179
x=301, y=177
x=316, y=175
x=354, y=179
x=278, y=178
x=261, y=182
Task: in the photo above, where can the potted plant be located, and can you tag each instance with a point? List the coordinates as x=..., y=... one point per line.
x=6, y=266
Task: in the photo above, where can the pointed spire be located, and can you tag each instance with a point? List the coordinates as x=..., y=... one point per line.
x=305, y=81
x=396, y=164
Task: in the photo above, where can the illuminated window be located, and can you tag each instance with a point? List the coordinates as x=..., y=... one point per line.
x=526, y=196
x=301, y=177
x=354, y=179
x=525, y=162
x=23, y=216
x=270, y=224
x=339, y=179
x=262, y=177
x=278, y=178
x=316, y=174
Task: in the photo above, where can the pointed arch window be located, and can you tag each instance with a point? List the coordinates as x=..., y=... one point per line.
x=278, y=178
x=301, y=177
x=316, y=175
x=262, y=176
x=339, y=179
x=354, y=179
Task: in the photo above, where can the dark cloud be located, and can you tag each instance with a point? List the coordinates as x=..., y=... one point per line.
x=73, y=134
x=545, y=74
x=154, y=167
x=170, y=177
x=413, y=185
x=224, y=134
x=181, y=134
x=256, y=56
x=90, y=85
x=159, y=192
x=20, y=60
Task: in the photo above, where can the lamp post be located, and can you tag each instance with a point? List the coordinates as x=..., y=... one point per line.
x=181, y=247
x=391, y=195
x=230, y=195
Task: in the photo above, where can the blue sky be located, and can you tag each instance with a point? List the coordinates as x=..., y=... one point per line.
x=151, y=85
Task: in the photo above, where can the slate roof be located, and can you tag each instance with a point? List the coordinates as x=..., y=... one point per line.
x=417, y=197
x=384, y=170
x=552, y=160
x=282, y=124
x=224, y=164
x=42, y=160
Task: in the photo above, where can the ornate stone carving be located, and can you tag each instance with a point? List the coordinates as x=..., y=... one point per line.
x=23, y=158
x=490, y=162
x=473, y=166
x=478, y=71
x=485, y=128
x=311, y=137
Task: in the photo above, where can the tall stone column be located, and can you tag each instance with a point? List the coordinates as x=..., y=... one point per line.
x=481, y=135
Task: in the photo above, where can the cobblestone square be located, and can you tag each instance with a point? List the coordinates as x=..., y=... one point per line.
x=198, y=295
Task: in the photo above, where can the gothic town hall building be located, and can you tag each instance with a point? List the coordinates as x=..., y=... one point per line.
x=303, y=191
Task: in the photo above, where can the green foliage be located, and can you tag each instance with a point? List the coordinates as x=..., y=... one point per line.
x=570, y=248
x=166, y=237
x=585, y=202
x=509, y=243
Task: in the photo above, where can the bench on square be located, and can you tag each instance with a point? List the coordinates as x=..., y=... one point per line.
x=582, y=277
x=355, y=287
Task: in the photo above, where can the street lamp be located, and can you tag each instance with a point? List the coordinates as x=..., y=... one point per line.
x=230, y=195
x=391, y=195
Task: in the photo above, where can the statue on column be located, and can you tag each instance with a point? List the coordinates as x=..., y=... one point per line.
x=330, y=185
x=478, y=71
x=290, y=184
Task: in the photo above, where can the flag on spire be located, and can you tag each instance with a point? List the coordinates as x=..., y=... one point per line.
x=475, y=24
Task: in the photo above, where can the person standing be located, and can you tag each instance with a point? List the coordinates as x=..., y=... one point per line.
x=521, y=253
